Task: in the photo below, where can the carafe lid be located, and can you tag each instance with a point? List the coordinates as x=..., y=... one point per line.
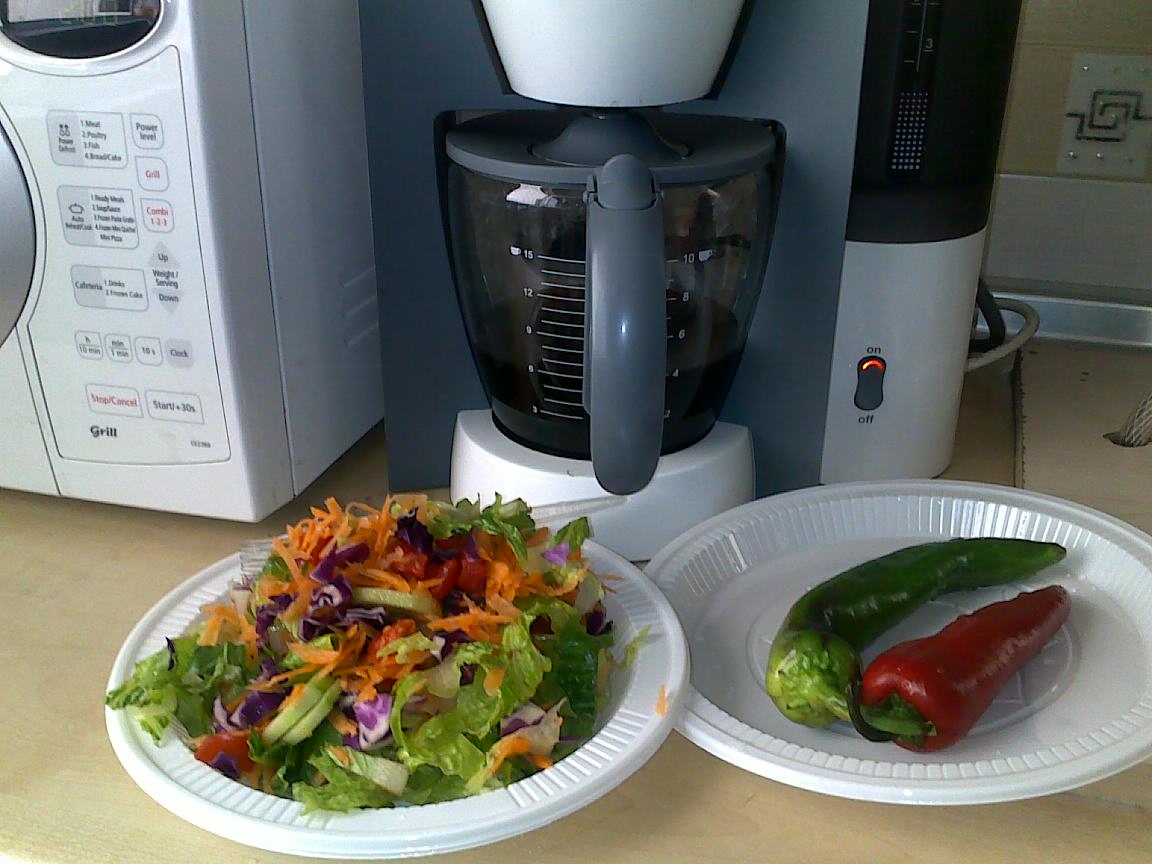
x=560, y=148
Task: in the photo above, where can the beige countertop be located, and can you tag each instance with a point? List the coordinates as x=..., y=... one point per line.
x=77, y=576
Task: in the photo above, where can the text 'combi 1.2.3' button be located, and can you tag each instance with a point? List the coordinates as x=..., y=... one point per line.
x=181, y=407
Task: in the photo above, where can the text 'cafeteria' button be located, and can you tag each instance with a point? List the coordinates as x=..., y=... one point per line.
x=106, y=399
x=178, y=352
x=181, y=407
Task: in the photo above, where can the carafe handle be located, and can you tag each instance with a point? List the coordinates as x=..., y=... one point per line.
x=625, y=324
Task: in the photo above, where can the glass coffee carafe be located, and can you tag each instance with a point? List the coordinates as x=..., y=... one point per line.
x=610, y=256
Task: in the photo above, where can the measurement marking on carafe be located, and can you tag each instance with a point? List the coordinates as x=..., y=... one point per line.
x=565, y=287
x=554, y=374
x=561, y=273
x=562, y=389
x=565, y=350
x=562, y=260
x=544, y=335
x=560, y=414
x=562, y=324
x=560, y=311
x=561, y=362
x=562, y=403
x=546, y=296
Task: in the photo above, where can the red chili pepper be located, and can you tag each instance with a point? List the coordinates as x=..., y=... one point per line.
x=951, y=678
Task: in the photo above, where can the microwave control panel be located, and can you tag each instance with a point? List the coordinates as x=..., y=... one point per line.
x=120, y=330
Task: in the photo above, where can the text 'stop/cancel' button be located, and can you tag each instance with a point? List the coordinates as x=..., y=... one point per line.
x=106, y=399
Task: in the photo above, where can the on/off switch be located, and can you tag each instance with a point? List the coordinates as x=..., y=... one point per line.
x=870, y=383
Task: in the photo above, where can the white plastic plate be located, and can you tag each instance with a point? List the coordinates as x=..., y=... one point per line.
x=1080, y=711
x=631, y=731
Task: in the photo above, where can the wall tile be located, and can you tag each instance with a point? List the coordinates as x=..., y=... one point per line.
x=1035, y=113
x=1111, y=25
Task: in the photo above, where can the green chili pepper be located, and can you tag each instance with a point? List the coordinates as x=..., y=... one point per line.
x=814, y=666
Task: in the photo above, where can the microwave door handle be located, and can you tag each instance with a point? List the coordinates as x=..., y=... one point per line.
x=625, y=326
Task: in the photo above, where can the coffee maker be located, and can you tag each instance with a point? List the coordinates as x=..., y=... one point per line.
x=852, y=358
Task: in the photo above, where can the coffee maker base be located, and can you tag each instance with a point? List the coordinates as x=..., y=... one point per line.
x=690, y=485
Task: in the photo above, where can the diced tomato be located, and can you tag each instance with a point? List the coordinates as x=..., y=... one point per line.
x=403, y=627
x=447, y=572
x=473, y=575
x=454, y=543
x=234, y=744
x=411, y=564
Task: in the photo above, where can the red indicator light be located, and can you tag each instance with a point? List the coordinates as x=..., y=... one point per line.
x=872, y=363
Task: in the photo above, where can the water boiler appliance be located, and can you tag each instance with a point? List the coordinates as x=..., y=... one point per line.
x=855, y=346
x=187, y=287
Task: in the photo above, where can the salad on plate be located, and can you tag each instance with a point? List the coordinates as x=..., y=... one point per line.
x=415, y=653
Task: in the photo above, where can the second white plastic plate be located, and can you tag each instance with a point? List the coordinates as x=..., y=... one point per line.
x=1079, y=712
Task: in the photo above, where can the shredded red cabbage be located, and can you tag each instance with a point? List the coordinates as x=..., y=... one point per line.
x=326, y=569
x=226, y=764
x=372, y=716
x=557, y=555
x=412, y=532
x=596, y=622
x=171, y=654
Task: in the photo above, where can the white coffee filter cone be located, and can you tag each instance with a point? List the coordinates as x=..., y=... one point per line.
x=606, y=53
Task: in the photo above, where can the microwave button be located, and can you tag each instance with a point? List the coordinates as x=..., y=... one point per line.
x=157, y=215
x=119, y=347
x=151, y=173
x=148, y=350
x=64, y=138
x=147, y=131
x=106, y=399
x=88, y=345
x=178, y=352
x=181, y=407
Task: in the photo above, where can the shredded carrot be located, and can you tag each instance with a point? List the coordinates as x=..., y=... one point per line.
x=340, y=754
x=493, y=679
x=662, y=701
x=507, y=747
x=539, y=761
x=296, y=693
x=343, y=725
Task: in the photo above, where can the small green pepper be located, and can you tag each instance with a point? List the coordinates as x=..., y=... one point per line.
x=814, y=666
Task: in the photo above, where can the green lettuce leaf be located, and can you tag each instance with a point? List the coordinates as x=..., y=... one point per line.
x=511, y=520
x=344, y=789
x=575, y=660
x=456, y=741
x=574, y=534
x=155, y=694
x=405, y=647
x=292, y=762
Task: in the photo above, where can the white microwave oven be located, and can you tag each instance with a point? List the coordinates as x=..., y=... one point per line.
x=188, y=313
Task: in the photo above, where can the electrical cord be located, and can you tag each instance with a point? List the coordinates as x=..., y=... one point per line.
x=990, y=311
x=1028, y=328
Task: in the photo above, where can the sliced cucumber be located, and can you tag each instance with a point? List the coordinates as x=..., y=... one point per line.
x=307, y=724
x=423, y=605
x=316, y=693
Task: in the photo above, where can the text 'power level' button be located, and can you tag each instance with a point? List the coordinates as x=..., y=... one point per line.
x=181, y=407
x=147, y=131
